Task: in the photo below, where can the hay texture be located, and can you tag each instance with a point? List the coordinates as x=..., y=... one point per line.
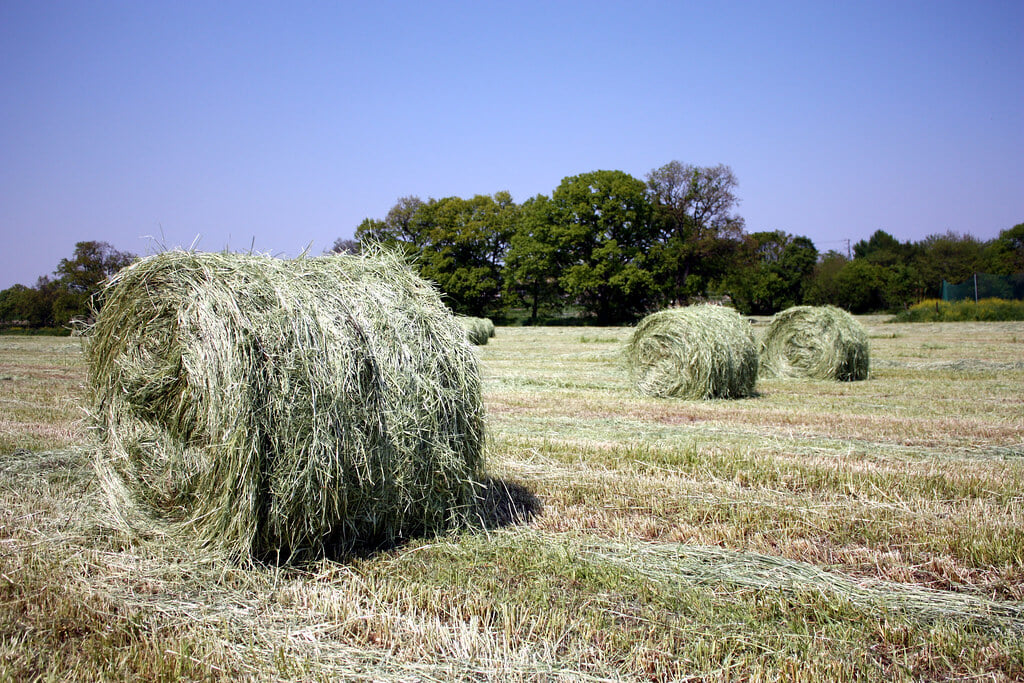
x=478, y=330
x=272, y=407
x=696, y=352
x=815, y=342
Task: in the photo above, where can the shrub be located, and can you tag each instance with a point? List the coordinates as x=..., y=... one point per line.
x=935, y=310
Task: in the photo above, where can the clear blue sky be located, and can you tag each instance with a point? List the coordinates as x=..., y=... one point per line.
x=280, y=125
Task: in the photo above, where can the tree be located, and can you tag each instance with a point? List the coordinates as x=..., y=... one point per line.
x=1005, y=255
x=603, y=233
x=882, y=249
x=462, y=246
x=823, y=287
x=345, y=246
x=532, y=265
x=697, y=232
x=777, y=274
x=81, y=277
x=91, y=264
x=862, y=286
x=21, y=305
x=398, y=229
x=951, y=257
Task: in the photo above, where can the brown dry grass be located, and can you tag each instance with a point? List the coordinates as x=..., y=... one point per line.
x=870, y=530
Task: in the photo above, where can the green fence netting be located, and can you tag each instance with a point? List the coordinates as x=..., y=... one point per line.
x=985, y=286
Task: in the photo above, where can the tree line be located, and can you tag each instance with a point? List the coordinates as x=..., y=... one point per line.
x=56, y=302
x=610, y=247
x=604, y=247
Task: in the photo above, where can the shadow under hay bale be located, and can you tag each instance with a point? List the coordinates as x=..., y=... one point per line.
x=696, y=352
x=499, y=504
x=815, y=342
x=507, y=503
x=263, y=406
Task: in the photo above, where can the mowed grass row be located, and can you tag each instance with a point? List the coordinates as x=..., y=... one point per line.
x=815, y=531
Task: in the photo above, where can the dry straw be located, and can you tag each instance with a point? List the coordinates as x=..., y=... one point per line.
x=695, y=352
x=478, y=330
x=269, y=407
x=815, y=342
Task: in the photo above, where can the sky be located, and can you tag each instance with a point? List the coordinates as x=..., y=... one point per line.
x=280, y=126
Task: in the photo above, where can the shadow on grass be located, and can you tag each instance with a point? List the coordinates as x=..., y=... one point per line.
x=500, y=504
x=506, y=503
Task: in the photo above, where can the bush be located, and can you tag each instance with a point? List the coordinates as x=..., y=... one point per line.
x=985, y=310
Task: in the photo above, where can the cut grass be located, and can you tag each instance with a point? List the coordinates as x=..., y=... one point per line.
x=866, y=531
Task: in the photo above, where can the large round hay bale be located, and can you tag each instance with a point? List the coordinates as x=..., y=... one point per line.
x=272, y=407
x=695, y=352
x=815, y=342
x=478, y=330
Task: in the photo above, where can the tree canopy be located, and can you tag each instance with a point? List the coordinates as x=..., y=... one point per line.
x=605, y=247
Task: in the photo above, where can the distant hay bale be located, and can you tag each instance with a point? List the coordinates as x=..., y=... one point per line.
x=283, y=408
x=478, y=330
x=695, y=352
x=815, y=342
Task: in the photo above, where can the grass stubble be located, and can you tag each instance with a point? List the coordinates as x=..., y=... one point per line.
x=818, y=531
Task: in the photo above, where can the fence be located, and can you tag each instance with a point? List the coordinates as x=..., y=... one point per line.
x=985, y=286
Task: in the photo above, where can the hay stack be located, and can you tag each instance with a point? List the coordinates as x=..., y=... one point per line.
x=815, y=342
x=478, y=330
x=695, y=352
x=271, y=407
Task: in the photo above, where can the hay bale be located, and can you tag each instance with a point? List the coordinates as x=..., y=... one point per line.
x=695, y=352
x=271, y=407
x=477, y=330
x=815, y=342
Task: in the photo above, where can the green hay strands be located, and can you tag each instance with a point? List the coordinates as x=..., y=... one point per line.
x=478, y=330
x=271, y=407
x=696, y=352
x=815, y=342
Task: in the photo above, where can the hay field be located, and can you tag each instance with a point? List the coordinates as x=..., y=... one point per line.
x=818, y=531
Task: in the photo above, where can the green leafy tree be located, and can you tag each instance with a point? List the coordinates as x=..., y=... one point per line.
x=777, y=274
x=462, y=248
x=532, y=267
x=91, y=264
x=399, y=229
x=884, y=250
x=951, y=257
x=603, y=233
x=1005, y=254
x=21, y=305
x=80, y=277
x=862, y=286
x=697, y=232
x=824, y=288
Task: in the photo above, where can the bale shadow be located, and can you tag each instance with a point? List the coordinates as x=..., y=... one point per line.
x=506, y=503
x=499, y=504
